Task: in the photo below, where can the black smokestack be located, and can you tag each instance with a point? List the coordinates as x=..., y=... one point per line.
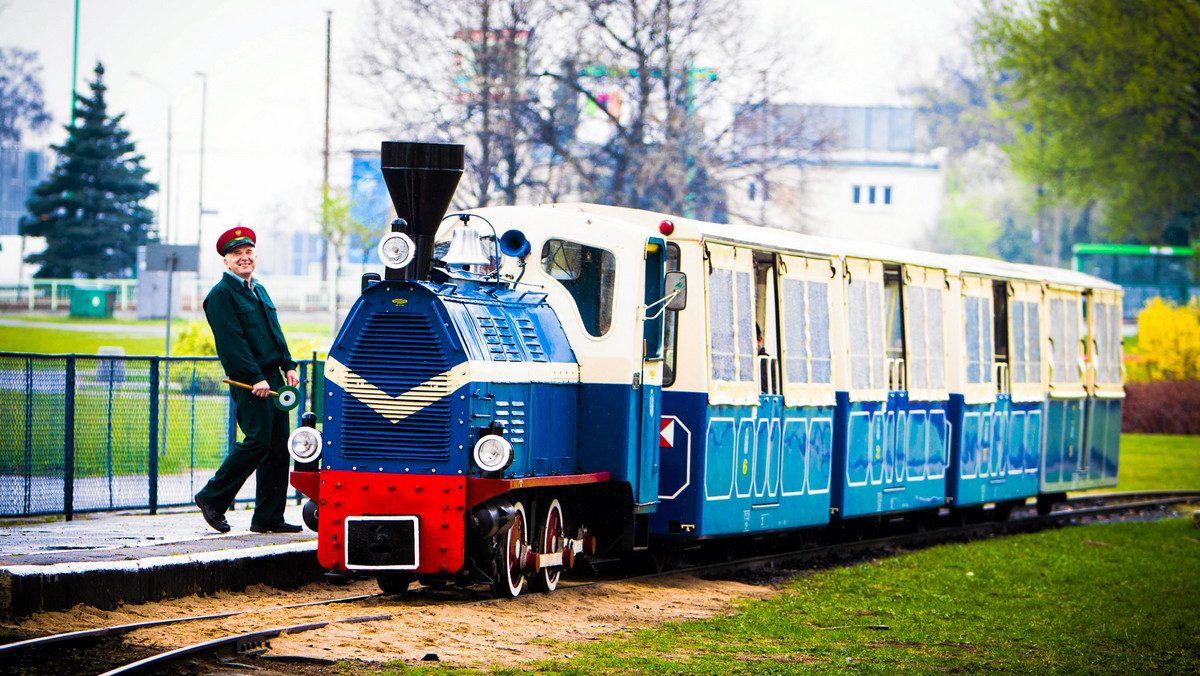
x=421, y=178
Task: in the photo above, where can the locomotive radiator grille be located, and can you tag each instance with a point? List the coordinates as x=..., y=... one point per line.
x=396, y=385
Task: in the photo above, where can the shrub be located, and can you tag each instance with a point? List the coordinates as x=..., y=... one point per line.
x=195, y=339
x=1162, y=407
x=1169, y=342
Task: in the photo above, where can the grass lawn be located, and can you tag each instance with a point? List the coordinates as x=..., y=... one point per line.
x=55, y=338
x=33, y=441
x=52, y=340
x=1158, y=462
x=1077, y=600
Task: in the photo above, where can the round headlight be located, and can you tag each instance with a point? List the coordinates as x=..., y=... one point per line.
x=396, y=250
x=304, y=444
x=492, y=453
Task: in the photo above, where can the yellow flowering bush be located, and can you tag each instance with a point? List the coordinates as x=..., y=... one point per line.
x=1169, y=342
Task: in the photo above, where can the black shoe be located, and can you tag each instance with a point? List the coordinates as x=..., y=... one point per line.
x=213, y=517
x=281, y=527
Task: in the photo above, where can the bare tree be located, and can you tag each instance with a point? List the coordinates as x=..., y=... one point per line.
x=627, y=102
x=653, y=70
x=458, y=70
x=21, y=105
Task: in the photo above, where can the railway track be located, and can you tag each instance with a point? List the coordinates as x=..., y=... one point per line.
x=851, y=545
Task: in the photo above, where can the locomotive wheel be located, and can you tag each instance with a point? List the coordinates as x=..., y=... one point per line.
x=510, y=560
x=551, y=541
x=394, y=584
x=309, y=514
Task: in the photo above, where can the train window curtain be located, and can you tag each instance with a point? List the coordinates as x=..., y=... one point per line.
x=732, y=347
x=1026, y=338
x=1104, y=345
x=980, y=384
x=805, y=311
x=865, y=326
x=925, y=337
x=1065, y=334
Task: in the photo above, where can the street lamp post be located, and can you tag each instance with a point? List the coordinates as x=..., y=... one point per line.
x=203, y=111
x=165, y=213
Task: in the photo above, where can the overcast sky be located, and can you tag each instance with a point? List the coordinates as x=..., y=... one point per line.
x=264, y=64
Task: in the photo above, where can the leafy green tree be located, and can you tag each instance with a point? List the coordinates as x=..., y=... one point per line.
x=90, y=208
x=966, y=228
x=1106, y=98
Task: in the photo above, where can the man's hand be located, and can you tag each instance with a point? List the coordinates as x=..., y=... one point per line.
x=261, y=389
x=292, y=378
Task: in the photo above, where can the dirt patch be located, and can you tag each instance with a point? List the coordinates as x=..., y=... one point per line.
x=461, y=628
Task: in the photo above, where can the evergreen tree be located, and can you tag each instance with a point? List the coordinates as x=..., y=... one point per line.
x=89, y=209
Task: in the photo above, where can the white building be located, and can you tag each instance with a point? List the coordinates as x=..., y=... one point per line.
x=869, y=183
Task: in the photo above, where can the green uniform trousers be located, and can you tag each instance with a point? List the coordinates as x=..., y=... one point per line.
x=263, y=450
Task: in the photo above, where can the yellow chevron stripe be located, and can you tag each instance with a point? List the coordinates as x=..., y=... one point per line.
x=395, y=409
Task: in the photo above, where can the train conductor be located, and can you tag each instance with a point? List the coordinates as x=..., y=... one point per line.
x=252, y=350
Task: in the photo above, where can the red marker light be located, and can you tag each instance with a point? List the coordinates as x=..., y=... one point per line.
x=666, y=227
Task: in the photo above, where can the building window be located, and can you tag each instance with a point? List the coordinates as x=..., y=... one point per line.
x=871, y=195
x=887, y=194
x=857, y=194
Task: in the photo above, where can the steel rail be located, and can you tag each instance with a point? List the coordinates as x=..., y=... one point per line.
x=237, y=643
x=117, y=630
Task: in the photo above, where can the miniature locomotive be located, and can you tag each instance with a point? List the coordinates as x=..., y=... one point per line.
x=525, y=386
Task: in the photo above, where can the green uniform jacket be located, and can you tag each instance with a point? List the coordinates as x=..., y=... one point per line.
x=245, y=325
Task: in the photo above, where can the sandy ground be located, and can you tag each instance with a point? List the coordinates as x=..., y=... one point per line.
x=464, y=628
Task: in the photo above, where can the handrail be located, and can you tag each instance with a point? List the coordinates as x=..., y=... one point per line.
x=771, y=386
x=896, y=375
x=1003, y=377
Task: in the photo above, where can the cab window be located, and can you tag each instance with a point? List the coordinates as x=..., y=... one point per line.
x=588, y=273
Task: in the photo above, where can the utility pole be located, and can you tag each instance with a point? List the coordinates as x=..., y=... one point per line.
x=330, y=264
x=74, y=70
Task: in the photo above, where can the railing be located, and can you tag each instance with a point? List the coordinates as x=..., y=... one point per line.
x=91, y=433
x=52, y=293
x=300, y=293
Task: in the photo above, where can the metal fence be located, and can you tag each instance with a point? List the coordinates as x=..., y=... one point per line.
x=89, y=433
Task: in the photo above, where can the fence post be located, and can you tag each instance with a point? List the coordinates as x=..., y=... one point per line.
x=69, y=441
x=28, y=467
x=152, y=450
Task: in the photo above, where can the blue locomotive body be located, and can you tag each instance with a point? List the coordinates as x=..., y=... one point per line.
x=417, y=371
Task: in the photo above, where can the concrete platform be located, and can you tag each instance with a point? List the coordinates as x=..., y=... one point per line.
x=110, y=558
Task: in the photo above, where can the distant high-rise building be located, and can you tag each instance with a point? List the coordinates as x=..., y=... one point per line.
x=20, y=171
